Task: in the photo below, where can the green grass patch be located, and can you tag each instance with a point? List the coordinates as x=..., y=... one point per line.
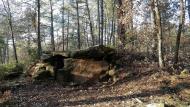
x=6, y=69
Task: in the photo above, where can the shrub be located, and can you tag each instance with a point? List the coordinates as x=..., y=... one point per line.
x=6, y=69
x=33, y=54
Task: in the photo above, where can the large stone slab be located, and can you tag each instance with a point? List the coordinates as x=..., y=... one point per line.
x=86, y=70
x=81, y=66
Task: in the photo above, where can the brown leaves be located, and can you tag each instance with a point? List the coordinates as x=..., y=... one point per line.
x=5, y=96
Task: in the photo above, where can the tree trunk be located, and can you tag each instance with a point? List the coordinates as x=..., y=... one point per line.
x=91, y=25
x=181, y=24
x=52, y=28
x=131, y=16
x=188, y=8
x=78, y=25
x=131, y=22
x=105, y=28
x=98, y=7
x=122, y=25
x=28, y=38
x=114, y=35
x=11, y=29
x=3, y=55
x=86, y=34
x=108, y=32
x=63, y=22
x=102, y=21
x=7, y=50
x=154, y=47
x=112, y=22
x=39, y=36
x=159, y=34
x=68, y=24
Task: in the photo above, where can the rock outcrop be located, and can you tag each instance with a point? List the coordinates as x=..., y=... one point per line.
x=84, y=70
x=82, y=66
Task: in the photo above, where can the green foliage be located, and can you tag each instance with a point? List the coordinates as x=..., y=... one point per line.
x=5, y=69
x=33, y=53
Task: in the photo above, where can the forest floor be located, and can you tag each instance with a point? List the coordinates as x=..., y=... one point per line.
x=140, y=82
x=142, y=86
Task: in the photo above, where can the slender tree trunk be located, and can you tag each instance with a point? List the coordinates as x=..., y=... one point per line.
x=154, y=47
x=131, y=22
x=84, y=30
x=102, y=22
x=28, y=37
x=122, y=25
x=109, y=33
x=7, y=50
x=78, y=25
x=1, y=55
x=91, y=25
x=112, y=22
x=63, y=25
x=11, y=30
x=181, y=24
x=159, y=34
x=106, y=22
x=58, y=40
x=114, y=35
x=105, y=28
x=87, y=39
x=52, y=27
x=99, y=35
x=34, y=19
x=68, y=26
x=39, y=36
x=85, y=34
x=188, y=2
x=4, y=54
x=131, y=16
